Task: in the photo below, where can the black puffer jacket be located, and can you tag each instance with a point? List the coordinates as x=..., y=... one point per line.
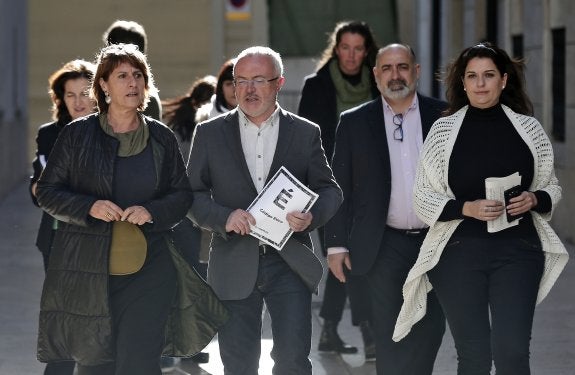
x=75, y=321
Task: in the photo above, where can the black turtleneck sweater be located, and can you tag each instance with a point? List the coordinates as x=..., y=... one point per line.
x=488, y=146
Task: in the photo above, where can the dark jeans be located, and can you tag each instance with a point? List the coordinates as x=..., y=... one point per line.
x=478, y=278
x=140, y=304
x=336, y=293
x=415, y=354
x=288, y=301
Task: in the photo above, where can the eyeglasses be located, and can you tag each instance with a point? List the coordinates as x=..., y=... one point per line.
x=398, y=132
x=257, y=82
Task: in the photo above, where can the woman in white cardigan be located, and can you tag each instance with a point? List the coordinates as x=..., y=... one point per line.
x=487, y=283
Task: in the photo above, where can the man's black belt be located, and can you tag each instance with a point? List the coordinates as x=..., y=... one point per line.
x=267, y=250
x=409, y=232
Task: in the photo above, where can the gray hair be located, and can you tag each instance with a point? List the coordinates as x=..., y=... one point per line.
x=262, y=51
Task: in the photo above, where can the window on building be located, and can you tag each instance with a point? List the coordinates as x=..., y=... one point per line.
x=436, y=46
x=558, y=84
x=517, y=45
x=492, y=17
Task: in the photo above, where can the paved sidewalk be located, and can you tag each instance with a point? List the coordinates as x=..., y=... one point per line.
x=21, y=275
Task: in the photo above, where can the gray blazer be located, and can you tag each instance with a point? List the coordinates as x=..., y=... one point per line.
x=221, y=183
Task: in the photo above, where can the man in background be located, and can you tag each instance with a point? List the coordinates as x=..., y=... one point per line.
x=122, y=31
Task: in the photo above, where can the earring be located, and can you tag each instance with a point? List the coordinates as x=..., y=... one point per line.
x=107, y=97
x=503, y=87
x=464, y=89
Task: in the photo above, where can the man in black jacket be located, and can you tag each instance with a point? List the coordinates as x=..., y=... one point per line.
x=376, y=232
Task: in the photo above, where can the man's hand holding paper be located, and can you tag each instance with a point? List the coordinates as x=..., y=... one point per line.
x=299, y=221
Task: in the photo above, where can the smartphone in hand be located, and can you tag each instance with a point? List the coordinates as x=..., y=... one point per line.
x=507, y=195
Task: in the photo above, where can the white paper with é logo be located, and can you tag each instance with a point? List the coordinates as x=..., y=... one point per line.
x=282, y=194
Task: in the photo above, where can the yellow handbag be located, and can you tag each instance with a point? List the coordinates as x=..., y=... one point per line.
x=128, y=249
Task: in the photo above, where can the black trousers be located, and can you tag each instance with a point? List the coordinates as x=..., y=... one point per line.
x=415, y=354
x=488, y=290
x=336, y=293
x=140, y=304
x=288, y=302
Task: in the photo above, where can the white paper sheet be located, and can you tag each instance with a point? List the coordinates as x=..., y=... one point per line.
x=494, y=189
x=282, y=194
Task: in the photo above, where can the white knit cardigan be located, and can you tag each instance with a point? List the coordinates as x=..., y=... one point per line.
x=432, y=192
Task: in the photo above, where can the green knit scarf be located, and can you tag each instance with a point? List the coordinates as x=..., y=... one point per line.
x=131, y=143
x=348, y=95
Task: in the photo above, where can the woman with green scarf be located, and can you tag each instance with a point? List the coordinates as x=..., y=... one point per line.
x=343, y=81
x=117, y=293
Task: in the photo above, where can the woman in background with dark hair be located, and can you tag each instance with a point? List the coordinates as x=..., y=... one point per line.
x=180, y=112
x=343, y=80
x=180, y=116
x=70, y=94
x=224, y=98
x=487, y=283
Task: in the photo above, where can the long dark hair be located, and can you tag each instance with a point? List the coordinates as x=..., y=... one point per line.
x=514, y=96
x=180, y=112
